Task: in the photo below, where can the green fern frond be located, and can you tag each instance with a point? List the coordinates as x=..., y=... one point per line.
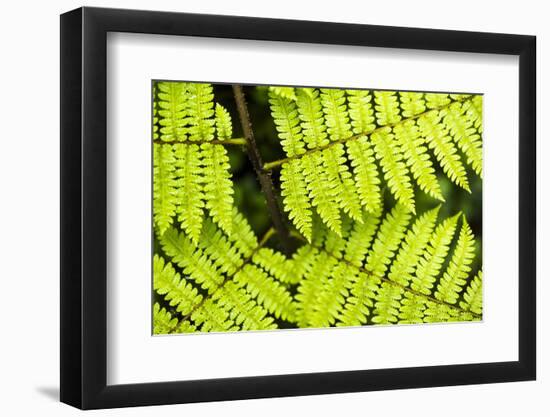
x=320, y=190
x=285, y=92
x=439, y=141
x=163, y=322
x=392, y=231
x=341, y=181
x=273, y=296
x=360, y=151
x=278, y=265
x=474, y=112
x=388, y=296
x=360, y=238
x=310, y=113
x=387, y=108
x=192, y=260
x=164, y=186
x=415, y=154
x=464, y=134
x=242, y=309
x=473, y=298
x=355, y=261
x=395, y=171
x=414, y=243
x=211, y=317
x=336, y=115
x=224, y=127
x=218, y=187
x=412, y=104
x=436, y=100
x=200, y=111
x=287, y=122
x=454, y=278
x=180, y=293
x=430, y=264
x=189, y=194
x=172, y=99
x=294, y=191
x=307, y=297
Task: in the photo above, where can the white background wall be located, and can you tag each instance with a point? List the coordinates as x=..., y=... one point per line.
x=29, y=228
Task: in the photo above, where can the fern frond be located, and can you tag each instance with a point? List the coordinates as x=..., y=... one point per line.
x=412, y=104
x=272, y=295
x=360, y=151
x=336, y=115
x=331, y=296
x=473, y=298
x=224, y=127
x=164, y=186
x=242, y=310
x=388, y=296
x=307, y=296
x=211, y=317
x=414, y=243
x=224, y=254
x=387, y=108
x=242, y=236
x=167, y=282
x=392, y=231
x=218, y=187
x=320, y=191
x=287, y=122
x=439, y=141
x=200, y=109
x=360, y=238
x=310, y=112
x=341, y=181
x=387, y=304
x=163, y=322
x=395, y=170
x=430, y=264
x=454, y=278
x=285, y=92
x=417, y=158
x=278, y=265
x=360, y=111
x=474, y=112
x=155, y=112
x=294, y=191
x=172, y=99
x=193, y=261
x=436, y=100
x=464, y=134
x=189, y=193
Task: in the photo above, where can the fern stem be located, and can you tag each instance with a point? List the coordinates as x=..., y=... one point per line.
x=268, y=166
x=234, y=141
x=263, y=176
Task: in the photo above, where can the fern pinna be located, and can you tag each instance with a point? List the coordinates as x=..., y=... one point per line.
x=355, y=165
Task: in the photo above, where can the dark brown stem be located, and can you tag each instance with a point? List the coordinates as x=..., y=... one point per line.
x=263, y=176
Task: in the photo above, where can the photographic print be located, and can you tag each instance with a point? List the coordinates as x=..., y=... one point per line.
x=280, y=207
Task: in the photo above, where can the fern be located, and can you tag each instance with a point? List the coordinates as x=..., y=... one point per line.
x=356, y=161
x=191, y=174
x=326, y=132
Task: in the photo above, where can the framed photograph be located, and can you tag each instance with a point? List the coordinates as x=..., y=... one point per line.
x=257, y=208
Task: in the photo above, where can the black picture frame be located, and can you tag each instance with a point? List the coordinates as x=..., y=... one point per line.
x=84, y=207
